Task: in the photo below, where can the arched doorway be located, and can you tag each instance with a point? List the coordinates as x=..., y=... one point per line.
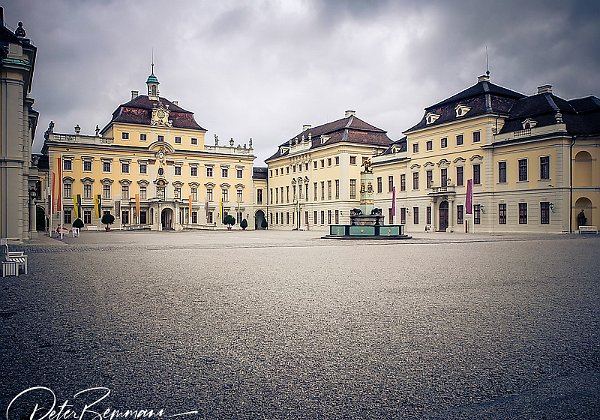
x=583, y=206
x=166, y=219
x=443, y=216
x=40, y=219
x=259, y=217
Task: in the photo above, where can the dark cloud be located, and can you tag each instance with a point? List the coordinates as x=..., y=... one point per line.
x=261, y=69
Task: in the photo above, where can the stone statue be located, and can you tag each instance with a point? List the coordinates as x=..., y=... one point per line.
x=581, y=219
x=216, y=140
x=367, y=166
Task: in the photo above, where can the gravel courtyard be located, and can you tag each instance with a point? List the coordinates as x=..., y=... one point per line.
x=286, y=325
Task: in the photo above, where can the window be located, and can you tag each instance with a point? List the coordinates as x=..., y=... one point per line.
x=239, y=195
x=87, y=191
x=353, y=189
x=276, y=172
x=403, y=216
x=476, y=137
x=502, y=213
x=522, y=213
x=322, y=217
x=315, y=220
x=125, y=192
x=178, y=140
x=390, y=183
x=259, y=196
x=224, y=172
x=87, y=165
x=444, y=142
x=125, y=217
x=337, y=217
x=142, y=137
x=352, y=160
x=209, y=194
x=545, y=213
x=416, y=215
x=329, y=217
x=403, y=182
x=143, y=192
x=322, y=163
x=545, y=167
x=328, y=161
x=276, y=195
x=306, y=166
x=194, y=217
x=477, y=214
x=415, y=180
x=501, y=172
x=210, y=217
x=271, y=195
x=459, y=139
x=239, y=173
x=429, y=145
x=194, y=141
x=460, y=214
x=143, y=217
x=87, y=217
x=178, y=192
x=125, y=136
x=337, y=160
x=416, y=148
x=329, y=190
x=460, y=177
x=178, y=170
x=428, y=215
x=225, y=195
x=193, y=170
x=106, y=166
x=67, y=215
x=322, y=190
x=161, y=138
x=209, y=172
x=143, y=168
x=287, y=217
x=429, y=178
x=337, y=189
x=106, y=191
x=68, y=190
x=522, y=169
x=444, y=177
x=476, y=174
x=379, y=185
x=67, y=164
x=161, y=171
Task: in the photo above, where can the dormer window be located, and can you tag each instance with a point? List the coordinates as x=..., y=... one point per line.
x=461, y=110
x=529, y=123
x=324, y=139
x=430, y=118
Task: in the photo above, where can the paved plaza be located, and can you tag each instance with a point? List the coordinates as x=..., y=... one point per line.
x=268, y=324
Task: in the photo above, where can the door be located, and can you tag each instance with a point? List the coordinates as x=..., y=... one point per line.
x=443, y=216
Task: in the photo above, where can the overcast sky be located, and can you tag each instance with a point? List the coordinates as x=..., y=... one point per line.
x=263, y=68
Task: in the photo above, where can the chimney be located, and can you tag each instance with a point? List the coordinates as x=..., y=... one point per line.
x=349, y=113
x=306, y=127
x=2, y=16
x=545, y=89
x=134, y=94
x=176, y=103
x=483, y=78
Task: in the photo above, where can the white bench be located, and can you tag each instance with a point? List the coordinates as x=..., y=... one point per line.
x=10, y=268
x=588, y=229
x=91, y=227
x=12, y=258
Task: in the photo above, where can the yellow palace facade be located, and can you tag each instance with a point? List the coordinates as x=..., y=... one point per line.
x=151, y=168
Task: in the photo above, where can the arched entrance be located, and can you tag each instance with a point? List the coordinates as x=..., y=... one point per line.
x=166, y=219
x=259, y=216
x=583, y=207
x=40, y=219
x=443, y=216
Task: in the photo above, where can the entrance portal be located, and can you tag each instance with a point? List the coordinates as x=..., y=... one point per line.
x=259, y=217
x=166, y=219
x=443, y=216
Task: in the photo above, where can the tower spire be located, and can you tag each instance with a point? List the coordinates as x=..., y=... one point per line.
x=152, y=82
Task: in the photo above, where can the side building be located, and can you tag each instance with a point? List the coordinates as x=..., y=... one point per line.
x=313, y=178
x=151, y=168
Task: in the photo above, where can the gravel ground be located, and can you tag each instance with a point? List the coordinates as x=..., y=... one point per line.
x=286, y=325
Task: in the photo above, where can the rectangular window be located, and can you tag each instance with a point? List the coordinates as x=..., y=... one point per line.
x=322, y=217
x=328, y=161
x=522, y=169
x=87, y=191
x=87, y=165
x=239, y=173
x=125, y=167
x=476, y=174
x=276, y=195
x=429, y=145
x=459, y=214
x=194, y=217
x=178, y=170
x=143, y=168
x=142, y=137
x=337, y=160
x=322, y=163
x=502, y=172
x=240, y=195
x=545, y=167
x=444, y=177
x=161, y=138
x=379, y=185
x=329, y=190
x=287, y=218
x=143, y=192
x=143, y=217
x=209, y=194
x=315, y=163
x=225, y=195
x=178, y=192
x=276, y=172
x=416, y=215
x=428, y=215
x=125, y=217
x=522, y=213
x=315, y=220
x=67, y=216
x=402, y=182
x=460, y=177
x=403, y=216
x=352, y=160
x=259, y=196
x=459, y=139
x=209, y=172
x=193, y=171
x=328, y=217
x=545, y=213
x=106, y=166
x=322, y=190
x=194, y=191
x=106, y=191
x=429, y=178
x=210, y=217
x=67, y=190
x=502, y=213
x=337, y=217
x=315, y=189
x=178, y=140
x=160, y=193
x=476, y=137
x=224, y=172
x=194, y=141
x=125, y=136
x=125, y=192
x=271, y=195
x=416, y=148
x=444, y=142
x=337, y=189
x=87, y=217
x=353, y=189
x=477, y=214
x=390, y=183
x=415, y=180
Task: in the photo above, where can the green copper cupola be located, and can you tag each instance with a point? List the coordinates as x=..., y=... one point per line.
x=152, y=84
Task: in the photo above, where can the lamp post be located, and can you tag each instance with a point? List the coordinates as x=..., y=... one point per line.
x=32, y=215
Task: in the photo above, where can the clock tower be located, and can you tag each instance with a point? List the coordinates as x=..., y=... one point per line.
x=152, y=84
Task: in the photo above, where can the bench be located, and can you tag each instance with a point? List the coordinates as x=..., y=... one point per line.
x=10, y=268
x=588, y=229
x=91, y=227
x=11, y=259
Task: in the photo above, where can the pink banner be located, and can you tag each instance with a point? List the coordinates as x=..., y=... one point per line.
x=469, y=200
x=393, y=201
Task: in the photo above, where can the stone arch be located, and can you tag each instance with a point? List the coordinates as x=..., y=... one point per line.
x=582, y=172
x=583, y=204
x=259, y=216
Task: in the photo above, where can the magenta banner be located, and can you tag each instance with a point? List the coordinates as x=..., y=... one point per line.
x=469, y=201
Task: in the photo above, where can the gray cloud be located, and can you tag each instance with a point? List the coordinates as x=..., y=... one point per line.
x=261, y=69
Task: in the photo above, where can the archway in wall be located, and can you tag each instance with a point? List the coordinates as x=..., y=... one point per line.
x=259, y=216
x=166, y=219
x=583, y=204
x=582, y=171
x=443, y=216
x=40, y=219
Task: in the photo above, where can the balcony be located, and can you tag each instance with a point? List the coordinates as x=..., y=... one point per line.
x=439, y=191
